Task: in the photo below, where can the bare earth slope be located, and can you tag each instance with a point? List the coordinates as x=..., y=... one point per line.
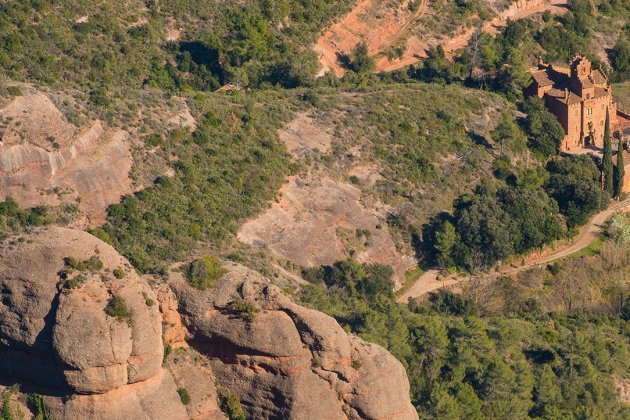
x=45, y=160
x=318, y=221
x=381, y=24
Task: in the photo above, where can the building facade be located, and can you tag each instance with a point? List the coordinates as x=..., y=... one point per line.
x=578, y=96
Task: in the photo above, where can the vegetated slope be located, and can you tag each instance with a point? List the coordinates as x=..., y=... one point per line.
x=388, y=160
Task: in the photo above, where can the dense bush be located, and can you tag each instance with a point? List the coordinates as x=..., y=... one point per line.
x=231, y=405
x=205, y=271
x=575, y=183
x=620, y=57
x=492, y=224
x=462, y=366
x=544, y=130
x=184, y=396
x=13, y=219
x=117, y=308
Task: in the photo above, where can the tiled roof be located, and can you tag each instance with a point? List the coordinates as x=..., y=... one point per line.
x=541, y=78
x=599, y=92
x=558, y=95
x=587, y=83
x=598, y=77
x=550, y=76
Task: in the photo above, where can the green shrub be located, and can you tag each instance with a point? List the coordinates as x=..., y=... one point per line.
x=94, y=263
x=38, y=406
x=119, y=273
x=184, y=396
x=231, y=405
x=204, y=272
x=5, y=411
x=246, y=310
x=117, y=308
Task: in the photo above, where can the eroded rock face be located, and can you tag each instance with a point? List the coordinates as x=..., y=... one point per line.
x=289, y=361
x=317, y=222
x=60, y=324
x=243, y=336
x=45, y=160
x=56, y=337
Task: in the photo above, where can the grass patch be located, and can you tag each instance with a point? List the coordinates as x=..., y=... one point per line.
x=411, y=276
x=204, y=272
x=593, y=249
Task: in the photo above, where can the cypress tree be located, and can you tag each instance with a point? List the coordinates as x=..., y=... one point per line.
x=608, y=164
x=620, y=172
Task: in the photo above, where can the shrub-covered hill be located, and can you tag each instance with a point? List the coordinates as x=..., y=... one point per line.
x=424, y=144
x=167, y=44
x=462, y=363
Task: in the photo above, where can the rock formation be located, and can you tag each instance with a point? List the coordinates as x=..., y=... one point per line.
x=55, y=332
x=287, y=361
x=45, y=160
x=61, y=335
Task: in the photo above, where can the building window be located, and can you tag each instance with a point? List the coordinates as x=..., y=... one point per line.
x=589, y=111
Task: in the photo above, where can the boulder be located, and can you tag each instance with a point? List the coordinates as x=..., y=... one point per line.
x=58, y=339
x=55, y=314
x=241, y=339
x=287, y=361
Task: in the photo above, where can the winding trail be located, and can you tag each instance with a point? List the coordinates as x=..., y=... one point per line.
x=381, y=33
x=431, y=280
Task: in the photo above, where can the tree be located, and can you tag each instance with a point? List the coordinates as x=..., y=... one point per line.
x=574, y=183
x=445, y=239
x=620, y=171
x=485, y=228
x=508, y=132
x=608, y=164
x=361, y=61
x=544, y=131
x=620, y=59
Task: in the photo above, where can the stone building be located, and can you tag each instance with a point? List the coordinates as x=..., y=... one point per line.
x=578, y=96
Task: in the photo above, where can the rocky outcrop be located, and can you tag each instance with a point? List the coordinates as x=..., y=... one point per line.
x=55, y=332
x=60, y=336
x=45, y=160
x=287, y=361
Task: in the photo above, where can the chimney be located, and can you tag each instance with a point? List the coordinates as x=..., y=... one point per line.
x=566, y=95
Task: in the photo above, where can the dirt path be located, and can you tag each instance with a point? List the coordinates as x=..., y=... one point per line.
x=432, y=280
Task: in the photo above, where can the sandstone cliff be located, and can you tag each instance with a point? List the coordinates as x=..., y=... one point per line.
x=45, y=160
x=62, y=337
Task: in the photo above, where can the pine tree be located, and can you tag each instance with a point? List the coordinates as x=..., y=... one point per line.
x=445, y=239
x=620, y=171
x=608, y=164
